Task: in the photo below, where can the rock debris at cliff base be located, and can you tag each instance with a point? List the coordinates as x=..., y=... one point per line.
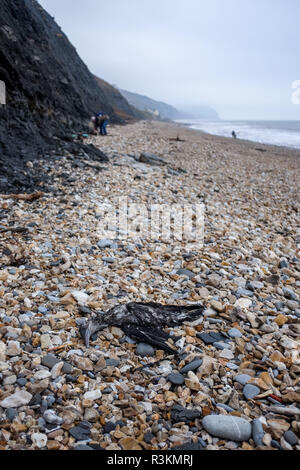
x=235, y=384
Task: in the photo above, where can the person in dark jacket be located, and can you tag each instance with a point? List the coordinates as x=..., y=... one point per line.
x=103, y=123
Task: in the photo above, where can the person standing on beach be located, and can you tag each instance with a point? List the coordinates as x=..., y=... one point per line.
x=234, y=134
x=103, y=123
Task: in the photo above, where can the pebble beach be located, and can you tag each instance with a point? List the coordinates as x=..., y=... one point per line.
x=235, y=384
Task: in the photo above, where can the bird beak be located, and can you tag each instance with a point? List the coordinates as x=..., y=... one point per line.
x=89, y=330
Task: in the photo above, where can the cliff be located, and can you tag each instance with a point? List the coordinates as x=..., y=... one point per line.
x=165, y=111
x=50, y=92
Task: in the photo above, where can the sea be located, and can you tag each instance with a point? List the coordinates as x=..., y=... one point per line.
x=281, y=133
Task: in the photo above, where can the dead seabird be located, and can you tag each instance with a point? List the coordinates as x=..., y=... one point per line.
x=143, y=321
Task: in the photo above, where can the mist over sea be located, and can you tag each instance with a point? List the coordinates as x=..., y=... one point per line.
x=282, y=133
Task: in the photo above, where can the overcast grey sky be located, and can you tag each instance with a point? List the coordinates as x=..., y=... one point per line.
x=239, y=56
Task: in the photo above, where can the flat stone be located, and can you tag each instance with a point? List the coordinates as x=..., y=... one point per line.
x=250, y=391
x=291, y=438
x=220, y=345
x=228, y=427
x=181, y=414
x=255, y=285
x=102, y=244
x=81, y=297
x=21, y=382
x=51, y=417
x=20, y=398
x=13, y=348
x=289, y=293
x=244, y=292
x=144, y=349
x=257, y=432
x=243, y=303
x=234, y=333
x=39, y=440
x=80, y=432
x=194, y=365
x=112, y=362
x=93, y=395
x=11, y=413
x=206, y=338
x=49, y=361
x=227, y=354
x=186, y=272
x=224, y=407
x=242, y=379
x=176, y=379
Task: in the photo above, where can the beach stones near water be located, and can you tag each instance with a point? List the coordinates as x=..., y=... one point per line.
x=176, y=379
x=194, y=365
x=250, y=391
x=20, y=398
x=227, y=427
x=144, y=349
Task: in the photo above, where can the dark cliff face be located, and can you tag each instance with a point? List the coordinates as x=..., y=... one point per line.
x=50, y=91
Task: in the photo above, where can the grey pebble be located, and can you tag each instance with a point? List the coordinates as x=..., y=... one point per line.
x=291, y=438
x=102, y=244
x=220, y=345
x=231, y=428
x=234, y=333
x=257, y=432
x=21, y=382
x=176, y=379
x=49, y=361
x=224, y=407
x=144, y=349
x=42, y=310
x=289, y=293
x=242, y=378
x=11, y=413
x=186, y=272
x=250, y=391
x=192, y=366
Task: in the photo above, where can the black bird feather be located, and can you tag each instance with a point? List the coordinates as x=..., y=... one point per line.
x=143, y=321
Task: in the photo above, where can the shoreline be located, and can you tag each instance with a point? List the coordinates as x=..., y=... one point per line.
x=236, y=362
x=188, y=126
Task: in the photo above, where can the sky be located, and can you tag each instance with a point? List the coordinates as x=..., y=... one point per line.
x=240, y=57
